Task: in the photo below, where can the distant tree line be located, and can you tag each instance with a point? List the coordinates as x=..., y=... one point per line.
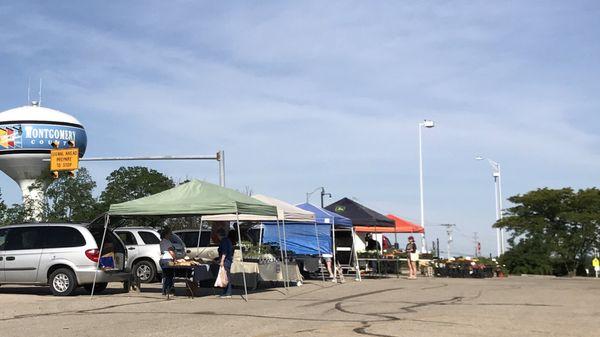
x=71, y=199
x=552, y=231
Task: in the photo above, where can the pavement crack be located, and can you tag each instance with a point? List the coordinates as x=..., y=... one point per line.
x=344, y=298
x=362, y=330
x=435, y=287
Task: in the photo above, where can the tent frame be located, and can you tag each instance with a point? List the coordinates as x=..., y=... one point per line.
x=107, y=220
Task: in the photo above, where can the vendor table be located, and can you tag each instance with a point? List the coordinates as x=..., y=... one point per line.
x=382, y=266
x=251, y=271
x=263, y=272
x=276, y=272
x=191, y=276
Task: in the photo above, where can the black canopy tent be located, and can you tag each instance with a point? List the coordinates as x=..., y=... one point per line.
x=359, y=214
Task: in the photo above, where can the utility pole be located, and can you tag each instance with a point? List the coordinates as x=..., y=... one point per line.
x=449, y=229
x=476, y=242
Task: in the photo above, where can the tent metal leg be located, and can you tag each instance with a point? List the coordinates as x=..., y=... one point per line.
x=237, y=218
x=280, y=249
x=395, y=255
x=358, y=277
x=319, y=248
x=106, y=220
x=287, y=276
x=199, y=236
x=379, y=251
x=333, y=249
x=260, y=237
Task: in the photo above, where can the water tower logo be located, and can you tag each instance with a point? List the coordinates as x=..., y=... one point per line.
x=10, y=137
x=39, y=136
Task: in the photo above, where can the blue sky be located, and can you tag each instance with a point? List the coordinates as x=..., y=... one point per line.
x=305, y=94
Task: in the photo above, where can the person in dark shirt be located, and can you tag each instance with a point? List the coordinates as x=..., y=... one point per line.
x=412, y=257
x=225, y=260
x=372, y=244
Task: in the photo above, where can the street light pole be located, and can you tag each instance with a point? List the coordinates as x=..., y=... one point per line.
x=496, y=173
x=221, y=159
x=502, y=242
x=323, y=194
x=428, y=124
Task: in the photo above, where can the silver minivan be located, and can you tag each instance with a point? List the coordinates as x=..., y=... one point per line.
x=63, y=256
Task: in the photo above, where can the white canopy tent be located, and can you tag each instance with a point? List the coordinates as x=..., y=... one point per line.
x=289, y=212
x=285, y=212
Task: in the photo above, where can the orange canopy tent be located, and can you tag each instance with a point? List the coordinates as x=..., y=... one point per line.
x=400, y=226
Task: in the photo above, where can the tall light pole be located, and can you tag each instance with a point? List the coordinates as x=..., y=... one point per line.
x=496, y=173
x=428, y=124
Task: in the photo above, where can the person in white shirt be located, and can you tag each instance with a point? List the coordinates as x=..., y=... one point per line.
x=167, y=251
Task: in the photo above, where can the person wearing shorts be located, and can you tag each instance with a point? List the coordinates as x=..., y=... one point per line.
x=411, y=252
x=328, y=262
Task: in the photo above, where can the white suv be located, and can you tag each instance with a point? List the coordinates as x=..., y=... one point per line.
x=144, y=251
x=63, y=256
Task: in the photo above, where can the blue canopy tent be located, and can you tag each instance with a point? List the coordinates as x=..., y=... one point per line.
x=335, y=222
x=300, y=237
x=324, y=216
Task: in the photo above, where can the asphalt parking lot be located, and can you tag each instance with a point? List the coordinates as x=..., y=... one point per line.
x=515, y=306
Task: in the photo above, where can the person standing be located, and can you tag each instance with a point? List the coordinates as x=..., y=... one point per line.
x=373, y=246
x=412, y=257
x=225, y=260
x=596, y=265
x=168, y=255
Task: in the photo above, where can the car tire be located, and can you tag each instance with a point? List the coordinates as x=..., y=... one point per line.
x=63, y=282
x=144, y=271
x=100, y=287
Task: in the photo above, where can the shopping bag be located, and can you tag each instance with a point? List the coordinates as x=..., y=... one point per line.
x=414, y=256
x=222, y=280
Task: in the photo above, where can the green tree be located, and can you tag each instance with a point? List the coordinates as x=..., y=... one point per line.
x=552, y=226
x=17, y=213
x=129, y=183
x=3, y=210
x=2, y=204
x=70, y=199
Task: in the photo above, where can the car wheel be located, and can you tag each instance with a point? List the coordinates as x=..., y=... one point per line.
x=100, y=287
x=145, y=271
x=63, y=282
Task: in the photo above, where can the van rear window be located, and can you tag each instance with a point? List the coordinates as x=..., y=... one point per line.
x=62, y=237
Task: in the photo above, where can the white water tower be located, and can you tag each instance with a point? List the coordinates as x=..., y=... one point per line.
x=26, y=137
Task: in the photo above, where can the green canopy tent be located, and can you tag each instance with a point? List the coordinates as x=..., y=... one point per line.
x=193, y=198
